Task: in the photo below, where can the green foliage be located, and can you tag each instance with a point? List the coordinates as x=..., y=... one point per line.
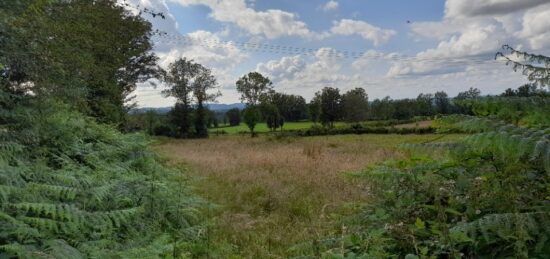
x=314, y=109
x=72, y=188
x=355, y=105
x=190, y=83
x=89, y=53
x=252, y=87
x=272, y=116
x=291, y=107
x=535, y=67
x=330, y=105
x=234, y=116
x=485, y=196
x=252, y=116
x=524, y=111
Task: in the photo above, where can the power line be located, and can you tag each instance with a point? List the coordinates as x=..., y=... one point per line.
x=326, y=52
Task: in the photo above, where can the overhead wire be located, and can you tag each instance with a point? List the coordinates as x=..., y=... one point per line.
x=320, y=52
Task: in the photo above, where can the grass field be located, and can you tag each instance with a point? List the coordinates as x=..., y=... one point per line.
x=262, y=127
x=274, y=194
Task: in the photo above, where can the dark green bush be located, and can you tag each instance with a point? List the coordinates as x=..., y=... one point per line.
x=73, y=188
x=358, y=129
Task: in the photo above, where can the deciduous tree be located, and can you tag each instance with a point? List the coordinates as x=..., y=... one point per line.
x=252, y=116
x=234, y=116
x=180, y=78
x=252, y=86
x=330, y=105
x=355, y=105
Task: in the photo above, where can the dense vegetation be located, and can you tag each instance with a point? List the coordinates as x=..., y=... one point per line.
x=70, y=185
x=73, y=188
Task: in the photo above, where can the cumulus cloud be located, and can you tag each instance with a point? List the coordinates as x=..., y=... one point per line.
x=330, y=6
x=286, y=67
x=471, y=8
x=222, y=59
x=271, y=23
x=367, y=31
x=305, y=75
x=455, y=53
x=472, y=28
x=536, y=27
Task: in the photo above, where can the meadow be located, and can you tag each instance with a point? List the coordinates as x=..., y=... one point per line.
x=274, y=198
x=262, y=127
x=303, y=125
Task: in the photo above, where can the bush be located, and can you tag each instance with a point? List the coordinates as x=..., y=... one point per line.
x=316, y=130
x=72, y=188
x=483, y=197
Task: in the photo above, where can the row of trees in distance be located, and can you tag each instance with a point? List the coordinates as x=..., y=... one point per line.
x=190, y=83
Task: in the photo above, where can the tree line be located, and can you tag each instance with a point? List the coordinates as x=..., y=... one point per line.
x=189, y=118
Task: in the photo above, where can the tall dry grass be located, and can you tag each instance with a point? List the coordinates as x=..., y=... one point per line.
x=272, y=193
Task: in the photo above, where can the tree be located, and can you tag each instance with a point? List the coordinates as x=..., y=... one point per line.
x=314, y=108
x=180, y=76
x=291, y=107
x=472, y=93
x=442, y=103
x=382, y=109
x=203, y=83
x=90, y=54
x=181, y=117
x=424, y=104
x=509, y=92
x=234, y=116
x=252, y=86
x=535, y=67
x=355, y=105
x=272, y=116
x=252, y=116
x=330, y=105
x=526, y=90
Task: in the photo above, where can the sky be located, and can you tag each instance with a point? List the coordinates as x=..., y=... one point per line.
x=396, y=48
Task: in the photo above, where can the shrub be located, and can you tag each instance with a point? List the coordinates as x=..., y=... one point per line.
x=484, y=196
x=72, y=188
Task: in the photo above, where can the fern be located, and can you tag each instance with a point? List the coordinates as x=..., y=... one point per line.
x=485, y=195
x=70, y=187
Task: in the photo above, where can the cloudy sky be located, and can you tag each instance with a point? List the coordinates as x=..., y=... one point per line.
x=398, y=48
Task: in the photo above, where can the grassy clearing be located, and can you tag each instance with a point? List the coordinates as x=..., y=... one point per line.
x=262, y=127
x=273, y=194
x=419, y=124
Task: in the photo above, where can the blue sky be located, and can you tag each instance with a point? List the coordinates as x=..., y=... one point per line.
x=407, y=47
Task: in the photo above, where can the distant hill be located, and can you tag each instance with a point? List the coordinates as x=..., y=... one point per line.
x=225, y=107
x=219, y=107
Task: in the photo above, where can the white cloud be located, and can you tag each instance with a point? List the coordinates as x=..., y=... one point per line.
x=536, y=27
x=330, y=6
x=286, y=67
x=305, y=75
x=472, y=28
x=367, y=31
x=221, y=58
x=471, y=8
x=271, y=23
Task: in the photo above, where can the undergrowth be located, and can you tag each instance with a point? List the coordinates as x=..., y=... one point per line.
x=73, y=188
x=486, y=196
